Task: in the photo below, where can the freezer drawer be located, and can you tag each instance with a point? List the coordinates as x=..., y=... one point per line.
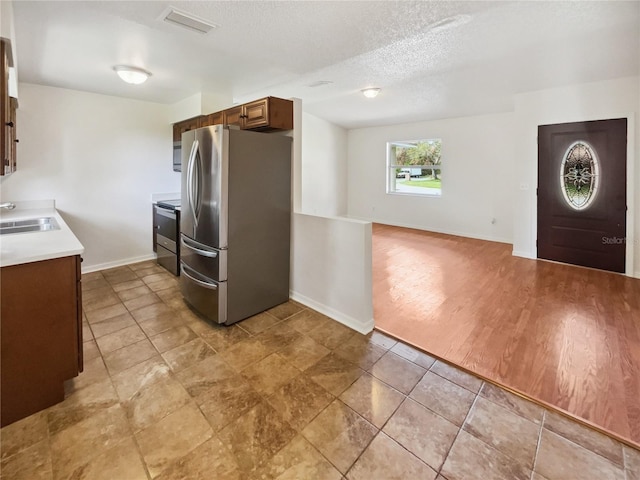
x=207, y=261
x=205, y=295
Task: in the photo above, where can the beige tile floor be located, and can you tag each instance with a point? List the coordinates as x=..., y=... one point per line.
x=287, y=394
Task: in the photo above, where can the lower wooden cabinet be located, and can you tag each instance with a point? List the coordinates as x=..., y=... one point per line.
x=41, y=334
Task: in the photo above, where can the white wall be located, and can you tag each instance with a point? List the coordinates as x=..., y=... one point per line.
x=324, y=167
x=100, y=158
x=201, y=103
x=477, y=158
x=593, y=101
x=331, y=268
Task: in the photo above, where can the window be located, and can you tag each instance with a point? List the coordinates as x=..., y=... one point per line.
x=414, y=167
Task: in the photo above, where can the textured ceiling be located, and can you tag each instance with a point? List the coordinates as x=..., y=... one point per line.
x=431, y=59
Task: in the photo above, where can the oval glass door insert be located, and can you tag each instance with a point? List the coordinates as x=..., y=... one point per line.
x=579, y=175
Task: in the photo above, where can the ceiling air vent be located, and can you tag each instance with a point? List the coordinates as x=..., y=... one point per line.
x=187, y=20
x=319, y=83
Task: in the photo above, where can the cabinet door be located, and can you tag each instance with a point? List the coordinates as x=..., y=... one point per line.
x=5, y=112
x=256, y=114
x=186, y=125
x=176, y=132
x=13, y=141
x=40, y=334
x=233, y=116
x=79, y=313
x=213, y=119
x=190, y=124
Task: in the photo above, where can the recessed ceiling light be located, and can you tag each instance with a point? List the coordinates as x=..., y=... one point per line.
x=132, y=75
x=371, y=92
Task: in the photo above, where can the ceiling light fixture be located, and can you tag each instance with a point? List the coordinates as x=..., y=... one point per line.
x=133, y=75
x=187, y=20
x=370, y=92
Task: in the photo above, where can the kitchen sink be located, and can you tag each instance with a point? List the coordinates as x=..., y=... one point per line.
x=41, y=224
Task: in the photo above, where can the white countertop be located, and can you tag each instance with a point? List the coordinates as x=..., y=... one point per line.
x=17, y=248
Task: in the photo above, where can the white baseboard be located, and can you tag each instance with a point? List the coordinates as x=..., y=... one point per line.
x=118, y=263
x=488, y=238
x=523, y=254
x=352, y=323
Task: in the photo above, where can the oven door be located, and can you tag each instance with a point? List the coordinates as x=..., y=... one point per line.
x=167, y=227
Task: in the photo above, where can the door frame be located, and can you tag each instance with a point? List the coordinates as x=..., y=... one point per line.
x=631, y=177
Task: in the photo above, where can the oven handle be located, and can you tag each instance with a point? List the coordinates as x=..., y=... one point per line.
x=210, y=286
x=166, y=213
x=199, y=251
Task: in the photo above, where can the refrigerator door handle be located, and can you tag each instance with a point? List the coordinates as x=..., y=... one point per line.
x=205, y=253
x=197, y=169
x=183, y=271
x=190, y=169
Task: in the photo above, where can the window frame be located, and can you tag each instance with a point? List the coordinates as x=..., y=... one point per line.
x=391, y=167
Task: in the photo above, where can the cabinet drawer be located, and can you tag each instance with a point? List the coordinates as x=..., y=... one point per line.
x=167, y=243
x=168, y=259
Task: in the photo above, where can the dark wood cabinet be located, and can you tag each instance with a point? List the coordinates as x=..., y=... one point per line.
x=8, y=107
x=41, y=334
x=264, y=115
x=213, y=119
x=233, y=116
x=186, y=125
x=270, y=113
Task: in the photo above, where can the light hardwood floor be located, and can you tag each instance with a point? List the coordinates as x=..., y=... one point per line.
x=565, y=336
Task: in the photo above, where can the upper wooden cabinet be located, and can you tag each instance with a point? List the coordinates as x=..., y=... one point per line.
x=233, y=116
x=268, y=113
x=8, y=107
x=213, y=119
x=186, y=125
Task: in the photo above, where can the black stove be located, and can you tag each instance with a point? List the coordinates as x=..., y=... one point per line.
x=169, y=204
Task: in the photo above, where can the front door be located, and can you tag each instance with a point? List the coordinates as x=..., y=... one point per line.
x=582, y=191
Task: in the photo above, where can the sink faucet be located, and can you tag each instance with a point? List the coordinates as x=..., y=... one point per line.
x=8, y=205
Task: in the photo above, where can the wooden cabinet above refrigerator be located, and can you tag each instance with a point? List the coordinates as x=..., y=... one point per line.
x=265, y=115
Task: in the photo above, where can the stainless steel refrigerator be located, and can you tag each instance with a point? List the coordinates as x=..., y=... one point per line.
x=235, y=222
